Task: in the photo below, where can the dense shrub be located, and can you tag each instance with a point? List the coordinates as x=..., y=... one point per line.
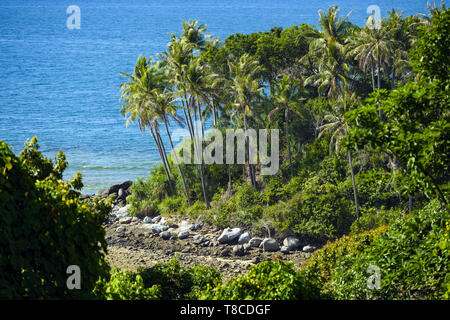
x=319, y=212
x=413, y=258
x=319, y=269
x=268, y=280
x=44, y=228
x=124, y=285
x=177, y=282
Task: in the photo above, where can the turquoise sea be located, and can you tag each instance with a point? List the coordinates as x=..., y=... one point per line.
x=63, y=85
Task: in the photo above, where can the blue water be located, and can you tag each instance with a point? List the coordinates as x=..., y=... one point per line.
x=63, y=85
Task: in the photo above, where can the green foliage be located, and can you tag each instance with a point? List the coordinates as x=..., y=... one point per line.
x=319, y=212
x=373, y=218
x=172, y=205
x=44, y=229
x=177, y=282
x=268, y=280
x=412, y=256
x=123, y=285
x=319, y=269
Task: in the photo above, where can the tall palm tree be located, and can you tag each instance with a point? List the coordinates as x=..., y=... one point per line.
x=245, y=89
x=188, y=79
x=136, y=94
x=286, y=95
x=338, y=127
x=165, y=108
x=327, y=50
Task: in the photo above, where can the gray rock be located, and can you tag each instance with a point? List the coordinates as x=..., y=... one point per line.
x=238, y=250
x=244, y=238
x=125, y=220
x=123, y=212
x=285, y=249
x=308, y=248
x=229, y=235
x=134, y=219
x=147, y=220
x=195, y=227
x=120, y=194
x=198, y=238
x=120, y=229
x=156, y=219
x=183, y=234
x=246, y=246
x=115, y=188
x=158, y=228
x=255, y=242
x=162, y=220
x=165, y=235
x=291, y=242
x=269, y=244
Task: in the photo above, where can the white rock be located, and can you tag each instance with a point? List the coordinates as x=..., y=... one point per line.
x=162, y=220
x=229, y=235
x=120, y=229
x=147, y=220
x=308, y=248
x=156, y=219
x=125, y=220
x=244, y=238
x=291, y=243
x=134, y=219
x=198, y=238
x=123, y=212
x=255, y=242
x=269, y=244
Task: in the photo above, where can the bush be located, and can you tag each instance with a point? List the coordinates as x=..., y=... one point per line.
x=172, y=205
x=319, y=269
x=44, y=228
x=373, y=218
x=177, y=282
x=268, y=280
x=124, y=285
x=412, y=257
x=319, y=212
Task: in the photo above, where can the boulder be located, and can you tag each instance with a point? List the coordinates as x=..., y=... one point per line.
x=125, y=220
x=269, y=244
x=147, y=220
x=165, y=235
x=229, y=234
x=244, y=238
x=291, y=242
x=123, y=212
x=285, y=249
x=198, y=238
x=308, y=248
x=183, y=234
x=115, y=188
x=158, y=228
x=255, y=242
x=238, y=250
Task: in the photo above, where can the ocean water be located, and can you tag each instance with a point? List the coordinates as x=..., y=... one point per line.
x=63, y=85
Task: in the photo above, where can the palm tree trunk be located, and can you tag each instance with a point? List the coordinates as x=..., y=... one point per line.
x=355, y=192
x=163, y=160
x=186, y=191
x=410, y=202
x=247, y=142
x=373, y=74
x=380, y=112
x=286, y=116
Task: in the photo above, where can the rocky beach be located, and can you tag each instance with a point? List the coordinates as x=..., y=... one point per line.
x=141, y=242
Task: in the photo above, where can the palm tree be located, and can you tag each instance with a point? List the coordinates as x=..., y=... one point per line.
x=328, y=51
x=136, y=94
x=338, y=127
x=286, y=95
x=188, y=78
x=245, y=89
x=165, y=108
